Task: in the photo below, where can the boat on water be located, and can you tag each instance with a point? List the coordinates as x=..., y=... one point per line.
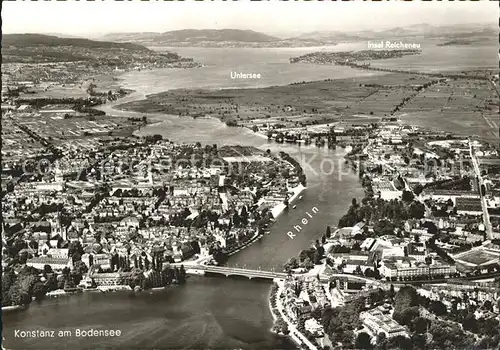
x=294, y=207
x=56, y=293
x=73, y=290
x=300, y=197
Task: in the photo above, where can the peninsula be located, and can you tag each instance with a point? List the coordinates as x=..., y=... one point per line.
x=52, y=67
x=353, y=56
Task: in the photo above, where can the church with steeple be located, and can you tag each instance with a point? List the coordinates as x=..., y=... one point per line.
x=57, y=228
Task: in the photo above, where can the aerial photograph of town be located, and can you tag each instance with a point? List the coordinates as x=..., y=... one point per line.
x=250, y=175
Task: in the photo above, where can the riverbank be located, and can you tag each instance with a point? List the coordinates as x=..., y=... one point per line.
x=279, y=208
x=273, y=296
x=298, y=338
x=252, y=240
x=296, y=191
x=277, y=211
x=236, y=303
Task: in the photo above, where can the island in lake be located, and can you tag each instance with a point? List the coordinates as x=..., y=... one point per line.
x=351, y=56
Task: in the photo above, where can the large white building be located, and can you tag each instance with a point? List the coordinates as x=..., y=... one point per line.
x=402, y=267
x=314, y=327
x=57, y=264
x=378, y=322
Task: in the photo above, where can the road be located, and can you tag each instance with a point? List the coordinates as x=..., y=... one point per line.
x=486, y=215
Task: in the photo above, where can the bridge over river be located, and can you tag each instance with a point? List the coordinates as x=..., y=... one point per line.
x=228, y=271
x=234, y=271
x=252, y=273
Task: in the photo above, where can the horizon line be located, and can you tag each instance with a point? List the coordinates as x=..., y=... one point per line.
x=460, y=24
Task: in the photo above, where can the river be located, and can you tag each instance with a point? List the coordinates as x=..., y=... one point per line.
x=207, y=312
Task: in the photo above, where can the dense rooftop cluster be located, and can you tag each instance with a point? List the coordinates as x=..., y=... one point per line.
x=429, y=218
x=87, y=198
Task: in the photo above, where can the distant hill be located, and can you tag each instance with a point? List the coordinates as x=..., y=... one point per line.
x=440, y=32
x=207, y=38
x=426, y=31
x=131, y=37
x=31, y=40
x=327, y=36
x=39, y=48
x=64, y=35
x=250, y=38
x=217, y=35
x=196, y=36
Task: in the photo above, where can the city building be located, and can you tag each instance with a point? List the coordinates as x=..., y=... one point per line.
x=378, y=322
x=57, y=264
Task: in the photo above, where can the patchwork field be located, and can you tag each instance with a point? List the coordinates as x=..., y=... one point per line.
x=458, y=106
x=462, y=107
x=311, y=101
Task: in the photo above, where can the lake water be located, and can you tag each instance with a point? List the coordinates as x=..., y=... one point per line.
x=208, y=312
x=205, y=313
x=272, y=64
x=445, y=58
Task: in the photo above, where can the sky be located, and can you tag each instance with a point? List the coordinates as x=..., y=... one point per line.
x=83, y=18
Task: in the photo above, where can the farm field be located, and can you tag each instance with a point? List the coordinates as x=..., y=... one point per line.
x=462, y=107
x=459, y=106
x=312, y=101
